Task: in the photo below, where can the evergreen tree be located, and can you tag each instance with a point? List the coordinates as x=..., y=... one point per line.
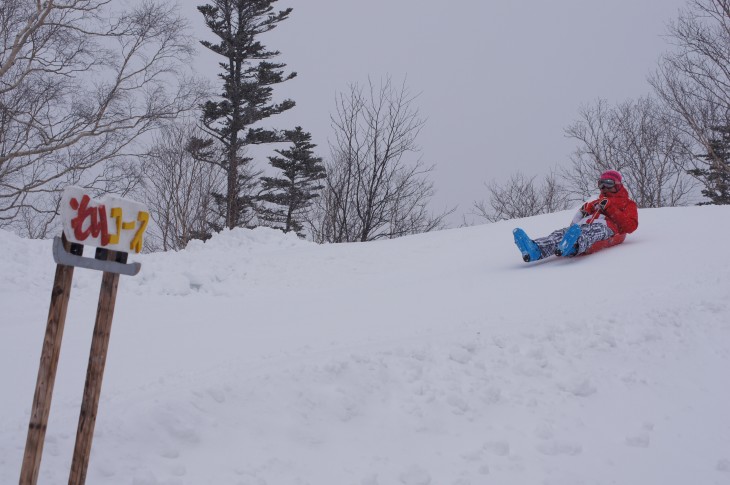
x=293, y=192
x=716, y=175
x=248, y=77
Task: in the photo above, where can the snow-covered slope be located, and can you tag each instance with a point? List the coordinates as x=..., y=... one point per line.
x=442, y=358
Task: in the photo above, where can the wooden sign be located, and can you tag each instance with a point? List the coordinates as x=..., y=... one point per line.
x=113, y=223
x=115, y=226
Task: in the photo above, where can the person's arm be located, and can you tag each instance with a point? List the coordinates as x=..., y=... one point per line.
x=625, y=216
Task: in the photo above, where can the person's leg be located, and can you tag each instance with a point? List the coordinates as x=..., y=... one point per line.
x=591, y=234
x=548, y=244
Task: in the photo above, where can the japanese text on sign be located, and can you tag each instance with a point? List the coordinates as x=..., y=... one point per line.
x=114, y=223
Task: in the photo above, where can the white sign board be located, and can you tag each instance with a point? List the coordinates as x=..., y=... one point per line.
x=113, y=223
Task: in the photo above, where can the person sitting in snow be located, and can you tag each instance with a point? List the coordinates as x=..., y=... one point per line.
x=608, y=218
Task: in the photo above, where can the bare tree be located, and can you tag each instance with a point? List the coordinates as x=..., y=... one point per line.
x=637, y=138
x=376, y=187
x=522, y=197
x=79, y=84
x=178, y=188
x=694, y=80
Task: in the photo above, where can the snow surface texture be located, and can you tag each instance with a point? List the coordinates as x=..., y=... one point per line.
x=260, y=359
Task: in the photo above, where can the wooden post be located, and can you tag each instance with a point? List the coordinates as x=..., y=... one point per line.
x=47, y=370
x=95, y=370
x=82, y=217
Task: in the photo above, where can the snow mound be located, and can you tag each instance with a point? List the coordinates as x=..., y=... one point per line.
x=217, y=266
x=214, y=267
x=250, y=241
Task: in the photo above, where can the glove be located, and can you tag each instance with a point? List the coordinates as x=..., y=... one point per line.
x=587, y=209
x=601, y=205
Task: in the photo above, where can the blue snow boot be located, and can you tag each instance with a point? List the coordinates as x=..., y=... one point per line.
x=568, y=246
x=528, y=248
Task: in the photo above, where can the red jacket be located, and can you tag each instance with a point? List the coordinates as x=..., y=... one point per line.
x=621, y=213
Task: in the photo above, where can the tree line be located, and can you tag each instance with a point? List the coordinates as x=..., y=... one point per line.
x=672, y=145
x=101, y=96
x=94, y=96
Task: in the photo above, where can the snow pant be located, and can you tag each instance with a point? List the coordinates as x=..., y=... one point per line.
x=589, y=235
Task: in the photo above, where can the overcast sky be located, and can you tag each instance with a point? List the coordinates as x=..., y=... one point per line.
x=499, y=80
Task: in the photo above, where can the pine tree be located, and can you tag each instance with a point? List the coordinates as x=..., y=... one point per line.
x=248, y=77
x=716, y=175
x=292, y=193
